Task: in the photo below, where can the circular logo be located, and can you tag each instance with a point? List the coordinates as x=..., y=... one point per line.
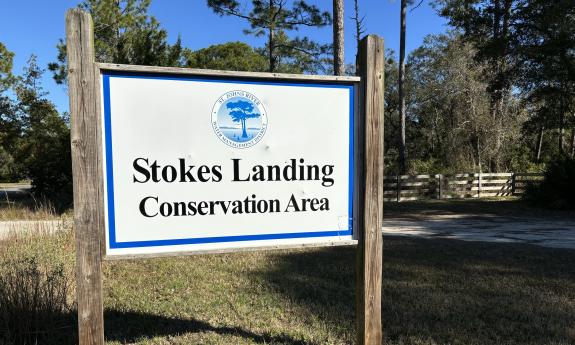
x=239, y=119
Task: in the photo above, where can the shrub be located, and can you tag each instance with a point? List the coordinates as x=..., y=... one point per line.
x=557, y=190
x=33, y=302
x=35, y=291
x=49, y=164
x=44, y=149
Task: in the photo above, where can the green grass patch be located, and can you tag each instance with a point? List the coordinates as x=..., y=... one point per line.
x=434, y=292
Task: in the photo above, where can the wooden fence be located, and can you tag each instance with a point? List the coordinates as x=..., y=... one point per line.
x=472, y=185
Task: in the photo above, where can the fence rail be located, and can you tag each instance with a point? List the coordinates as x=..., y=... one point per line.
x=468, y=185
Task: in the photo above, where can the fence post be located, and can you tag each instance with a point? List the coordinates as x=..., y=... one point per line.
x=86, y=165
x=398, y=188
x=479, y=185
x=439, y=186
x=512, y=184
x=370, y=209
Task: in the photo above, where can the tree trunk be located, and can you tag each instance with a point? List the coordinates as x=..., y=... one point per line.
x=478, y=152
x=561, y=129
x=572, y=153
x=271, y=40
x=244, y=133
x=500, y=84
x=539, y=144
x=506, y=19
x=338, y=48
x=402, y=149
x=562, y=120
x=561, y=135
x=496, y=18
x=358, y=32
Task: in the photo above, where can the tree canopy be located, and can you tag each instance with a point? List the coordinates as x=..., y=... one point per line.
x=236, y=56
x=274, y=19
x=124, y=33
x=494, y=92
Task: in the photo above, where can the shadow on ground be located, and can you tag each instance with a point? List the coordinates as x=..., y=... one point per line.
x=444, y=291
x=509, y=206
x=435, y=292
x=131, y=327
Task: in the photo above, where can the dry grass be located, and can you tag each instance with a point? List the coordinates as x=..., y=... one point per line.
x=24, y=206
x=435, y=292
x=36, y=288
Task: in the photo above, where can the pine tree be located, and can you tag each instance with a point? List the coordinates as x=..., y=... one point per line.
x=124, y=33
x=273, y=19
x=45, y=149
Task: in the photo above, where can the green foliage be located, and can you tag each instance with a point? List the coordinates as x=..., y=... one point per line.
x=273, y=19
x=6, y=61
x=429, y=166
x=301, y=55
x=10, y=169
x=547, y=68
x=10, y=140
x=235, y=56
x=557, y=190
x=449, y=107
x=124, y=33
x=520, y=157
x=45, y=142
x=529, y=46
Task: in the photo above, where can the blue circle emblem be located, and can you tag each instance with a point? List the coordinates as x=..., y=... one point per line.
x=239, y=119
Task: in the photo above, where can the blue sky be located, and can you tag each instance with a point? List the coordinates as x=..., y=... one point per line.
x=34, y=27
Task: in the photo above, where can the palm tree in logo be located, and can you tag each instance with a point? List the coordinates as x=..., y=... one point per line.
x=240, y=111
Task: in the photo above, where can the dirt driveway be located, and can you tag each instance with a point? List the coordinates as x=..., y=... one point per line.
x=481, y=220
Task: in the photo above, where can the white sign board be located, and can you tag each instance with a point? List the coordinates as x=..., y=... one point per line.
x=207, y=163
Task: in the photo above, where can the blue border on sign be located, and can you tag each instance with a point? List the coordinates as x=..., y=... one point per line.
x=221, y=239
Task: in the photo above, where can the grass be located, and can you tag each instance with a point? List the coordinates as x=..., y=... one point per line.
x=22, y=205
x=35, y=280
x=434, y=292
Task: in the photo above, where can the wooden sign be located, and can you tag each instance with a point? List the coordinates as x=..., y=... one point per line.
x=225, y=161
x=173, y=161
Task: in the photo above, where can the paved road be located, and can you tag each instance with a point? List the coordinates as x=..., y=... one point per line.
x=557, y=232
x=8, y=190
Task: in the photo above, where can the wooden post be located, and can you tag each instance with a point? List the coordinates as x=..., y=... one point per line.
x=479, y=182
x=439, y=183
x=398, y=188
x=86, y=167
x=369, y=216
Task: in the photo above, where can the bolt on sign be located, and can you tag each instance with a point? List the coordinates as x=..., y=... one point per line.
x=196, y=163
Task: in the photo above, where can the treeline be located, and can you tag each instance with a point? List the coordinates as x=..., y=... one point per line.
x=495, y=92
x=34, y=137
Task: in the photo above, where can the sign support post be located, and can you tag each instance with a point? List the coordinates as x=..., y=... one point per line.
x=83, y=87
x=363, y=170
x=369, y=211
